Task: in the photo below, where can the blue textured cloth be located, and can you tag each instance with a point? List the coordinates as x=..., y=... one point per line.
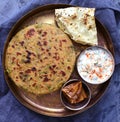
x=108, y=108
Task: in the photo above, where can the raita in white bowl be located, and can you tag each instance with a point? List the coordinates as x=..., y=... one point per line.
x=95, y=65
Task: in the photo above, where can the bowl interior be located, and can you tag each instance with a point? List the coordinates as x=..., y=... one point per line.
x=98, y=68
x=77, y=106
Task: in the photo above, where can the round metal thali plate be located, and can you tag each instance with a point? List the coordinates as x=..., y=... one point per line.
x=50, y=104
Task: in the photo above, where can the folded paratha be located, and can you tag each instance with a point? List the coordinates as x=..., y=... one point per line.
x=78, y=23
x=40, y=58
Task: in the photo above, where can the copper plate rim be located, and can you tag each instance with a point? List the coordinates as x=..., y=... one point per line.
x=17, y=24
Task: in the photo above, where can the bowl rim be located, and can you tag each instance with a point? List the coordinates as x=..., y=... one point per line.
x=113, y=67
x=89, y=95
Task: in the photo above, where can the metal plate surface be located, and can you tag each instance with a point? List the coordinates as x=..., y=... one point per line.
x=50, y=104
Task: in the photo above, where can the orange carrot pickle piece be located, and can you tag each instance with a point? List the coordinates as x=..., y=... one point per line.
x=74, y=92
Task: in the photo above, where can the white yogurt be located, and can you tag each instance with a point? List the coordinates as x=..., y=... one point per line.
x=95, y=65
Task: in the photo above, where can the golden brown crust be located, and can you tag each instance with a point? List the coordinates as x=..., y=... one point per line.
x=40, y=58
